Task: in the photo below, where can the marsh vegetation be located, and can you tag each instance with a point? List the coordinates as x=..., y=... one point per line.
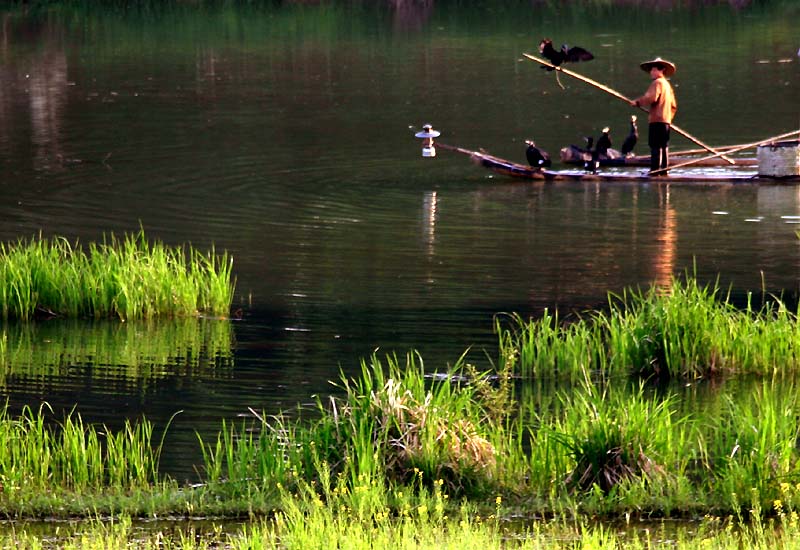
x=128, y=278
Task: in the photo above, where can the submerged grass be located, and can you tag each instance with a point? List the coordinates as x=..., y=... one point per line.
x=127, y=277
x=686, y=331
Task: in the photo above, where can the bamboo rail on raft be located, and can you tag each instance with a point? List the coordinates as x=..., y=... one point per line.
x=734, y=150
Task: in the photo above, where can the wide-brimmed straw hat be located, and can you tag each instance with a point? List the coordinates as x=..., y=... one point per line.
x=668, y=67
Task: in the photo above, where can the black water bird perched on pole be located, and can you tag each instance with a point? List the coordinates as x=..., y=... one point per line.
x=564, y=55
x=631, y=139
x=536, y=157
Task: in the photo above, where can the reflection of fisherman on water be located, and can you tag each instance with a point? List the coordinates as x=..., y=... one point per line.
x=536, y=157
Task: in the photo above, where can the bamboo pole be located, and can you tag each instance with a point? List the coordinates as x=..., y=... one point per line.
x=626, y=100
x=734, y=150
x=725, y=148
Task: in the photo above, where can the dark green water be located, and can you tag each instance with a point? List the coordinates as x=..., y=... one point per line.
x=284, y=135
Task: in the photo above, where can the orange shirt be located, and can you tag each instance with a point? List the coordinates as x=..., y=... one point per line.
x=659, y=100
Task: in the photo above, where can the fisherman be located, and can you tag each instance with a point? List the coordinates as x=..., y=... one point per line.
x=659, y=100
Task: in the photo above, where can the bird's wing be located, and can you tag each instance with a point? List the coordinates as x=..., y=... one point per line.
x=576, y=53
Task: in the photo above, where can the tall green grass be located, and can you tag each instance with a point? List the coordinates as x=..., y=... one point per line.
x=37, y=455
x=686, y=331
x=392, y=423
x=396, y=439
x=599, y=447
x=750, y=449
x=127, y=277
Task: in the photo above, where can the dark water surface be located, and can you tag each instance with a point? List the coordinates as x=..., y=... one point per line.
x=284, y=135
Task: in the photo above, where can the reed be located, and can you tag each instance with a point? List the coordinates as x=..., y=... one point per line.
x=37, y=455
x=128, y=278
x=598, y=447
x=398, y=440
x=687, y=331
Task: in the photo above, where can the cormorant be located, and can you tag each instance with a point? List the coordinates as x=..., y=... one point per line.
x=536, y=157
x=630, y=141
x=564, y=55
x=602, y=147
x=603, y=142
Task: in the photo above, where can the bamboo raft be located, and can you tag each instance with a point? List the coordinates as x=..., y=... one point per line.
x=525, y=172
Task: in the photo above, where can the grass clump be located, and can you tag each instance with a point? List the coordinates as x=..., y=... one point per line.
x=611, y=438
x=392, y=423
x=687, y=331
x=128, y=278
x=39, y=456
x=750, y=449
x=599, y=448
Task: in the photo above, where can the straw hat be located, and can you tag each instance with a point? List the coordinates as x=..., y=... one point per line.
x=668, y=67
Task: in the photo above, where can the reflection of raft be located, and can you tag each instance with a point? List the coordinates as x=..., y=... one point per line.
x=576, y=156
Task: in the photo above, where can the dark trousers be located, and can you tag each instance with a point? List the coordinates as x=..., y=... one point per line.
x=658, y=139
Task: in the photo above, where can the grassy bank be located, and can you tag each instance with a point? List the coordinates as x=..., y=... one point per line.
x=304, y=527
x=686, y=331
x=396, y=437
x=128, y=278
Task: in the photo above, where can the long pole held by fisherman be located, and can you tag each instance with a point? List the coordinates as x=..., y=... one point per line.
x=618, y=95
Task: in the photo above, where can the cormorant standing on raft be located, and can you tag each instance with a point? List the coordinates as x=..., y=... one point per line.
x=602, y=147
x=536, y=157
x=630, y=141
